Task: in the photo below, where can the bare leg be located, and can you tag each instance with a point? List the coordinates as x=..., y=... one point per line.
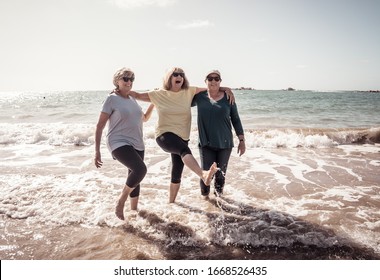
x=206, y=176
x=209, y=174
x=134, y=202
x=192, y=163
x=173, y=191
x=122, y=199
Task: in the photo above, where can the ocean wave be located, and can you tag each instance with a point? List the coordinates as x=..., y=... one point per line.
x=82, y=134
x=55, y=134
x=312, y=137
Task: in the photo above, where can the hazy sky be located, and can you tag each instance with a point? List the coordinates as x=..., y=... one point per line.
x=266, y=44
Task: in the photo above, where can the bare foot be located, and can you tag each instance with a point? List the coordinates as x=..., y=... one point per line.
x=120, y=210
x=209, y=174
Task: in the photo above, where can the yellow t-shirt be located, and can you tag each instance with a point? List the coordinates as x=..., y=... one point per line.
x=174, y=111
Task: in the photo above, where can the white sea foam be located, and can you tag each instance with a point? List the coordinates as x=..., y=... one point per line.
x=58, y=134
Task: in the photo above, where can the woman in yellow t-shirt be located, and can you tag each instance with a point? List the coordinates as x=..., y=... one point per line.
x=173, y=104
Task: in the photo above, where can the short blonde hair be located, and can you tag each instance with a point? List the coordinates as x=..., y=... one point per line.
x=120, y=74
x=167, y=79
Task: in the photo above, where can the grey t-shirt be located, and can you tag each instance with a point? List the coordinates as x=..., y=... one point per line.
x=125, y=122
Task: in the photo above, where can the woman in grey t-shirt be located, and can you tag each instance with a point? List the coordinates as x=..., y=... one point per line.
x=124, y=136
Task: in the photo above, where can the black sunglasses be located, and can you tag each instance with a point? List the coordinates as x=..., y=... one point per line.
x=217, y=79
x=127, y=79
x=176, y=74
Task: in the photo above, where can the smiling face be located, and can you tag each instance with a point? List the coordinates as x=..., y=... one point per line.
x=175, y=80
x=123, y=79
x=213, y=82
x=125, y=83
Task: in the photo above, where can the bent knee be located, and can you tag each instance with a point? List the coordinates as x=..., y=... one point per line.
x=141, y=173
x=185, y=151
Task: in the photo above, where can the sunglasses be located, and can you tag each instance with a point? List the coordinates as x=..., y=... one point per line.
x=217, y=79
x=176, y=74
x=127, y=79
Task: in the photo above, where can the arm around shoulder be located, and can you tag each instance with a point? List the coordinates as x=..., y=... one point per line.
x=230, y=94
x=142, y=96
x=198, y=90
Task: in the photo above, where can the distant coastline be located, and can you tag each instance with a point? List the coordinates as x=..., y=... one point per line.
x=5, y=92
x=251, y=88
x=293, y=89
x=243, y=88
x=368, y=90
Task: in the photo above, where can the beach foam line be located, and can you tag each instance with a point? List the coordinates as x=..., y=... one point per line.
x=311, y=137
x=82, y=134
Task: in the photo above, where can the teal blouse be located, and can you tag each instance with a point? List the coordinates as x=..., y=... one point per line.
x=215, y=121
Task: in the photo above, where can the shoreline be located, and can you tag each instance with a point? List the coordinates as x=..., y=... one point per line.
x=75, y=242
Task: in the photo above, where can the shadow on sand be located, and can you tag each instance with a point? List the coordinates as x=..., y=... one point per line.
x=243, y=232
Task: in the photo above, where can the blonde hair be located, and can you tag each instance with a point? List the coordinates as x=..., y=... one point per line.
x=167, y=79
x=120, y=74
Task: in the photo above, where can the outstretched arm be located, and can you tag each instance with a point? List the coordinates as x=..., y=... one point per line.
x=198, y=90
x=142, y=96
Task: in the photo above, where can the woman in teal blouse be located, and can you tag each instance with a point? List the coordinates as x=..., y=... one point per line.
x=216, y=116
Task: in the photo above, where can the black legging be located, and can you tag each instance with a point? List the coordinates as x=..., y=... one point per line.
x=134, y=160
x=178, y=148
x=210, y=155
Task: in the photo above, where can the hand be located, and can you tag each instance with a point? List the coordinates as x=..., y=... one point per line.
x=241, y=148
x=230, y=95
x=98, y=160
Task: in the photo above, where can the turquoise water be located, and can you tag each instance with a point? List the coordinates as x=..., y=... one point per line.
x=300, y=109
x=258, y=108
x=344, y=117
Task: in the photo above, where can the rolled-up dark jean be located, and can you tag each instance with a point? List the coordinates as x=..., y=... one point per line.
x=208, y=156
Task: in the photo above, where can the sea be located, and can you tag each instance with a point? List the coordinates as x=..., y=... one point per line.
x=307, y=188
